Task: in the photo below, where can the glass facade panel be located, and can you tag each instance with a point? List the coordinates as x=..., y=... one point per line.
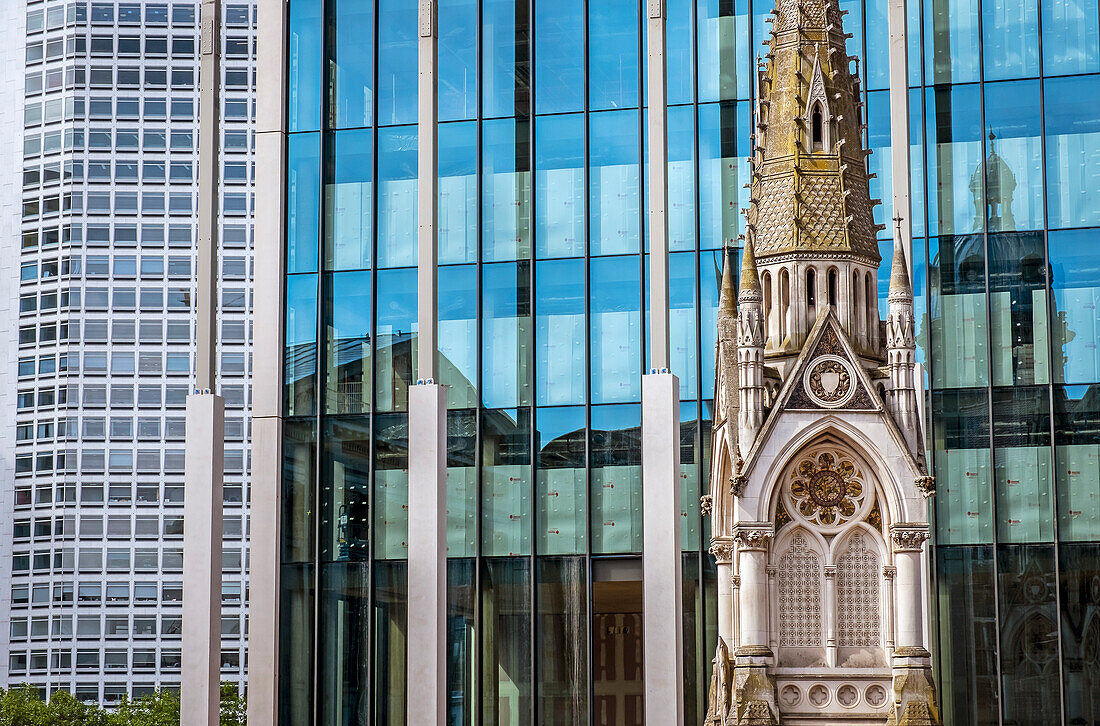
x=725, y=53
x=954, y=132
x=615, y=329
x=303, y=213
x=345, y=491
x=300, y=344
x=1075, y=267
x=397, y=196
x=968, y=621
x=559, y=63
x=344, y=642
x=562, y=641
x=395, y=338
x=613, y=62
x=559, y=186
x=506, y=492
x=1019, y=327
x=349, y=202
x=681, y=179
x=462, y=492
x=391, y=486
x=1022, y=468
x=505, y=190
x=506, y=640
x=348, y=357
x=461, y=641
x=305, y=66
x=505, y=59
x=391, y=610
x=1077, y=461
x=1026, y=589
x=1073, y=151
x=456, y=212
x=560, y=325
x=506, y=334
x=1071, y=37
x=397, y=63
x=1010, y=39
x=457, y=78
x=614, y=183
x=351, y=68
x=561, y=480
x=1079, y=570
x=457, y=330
x=1013, y=161
x=960, y=342
x=950, y=38
x=723, y=169
x=964, y=491
x=616, y=484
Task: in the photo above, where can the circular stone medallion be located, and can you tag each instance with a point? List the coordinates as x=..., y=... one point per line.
x=829, y=381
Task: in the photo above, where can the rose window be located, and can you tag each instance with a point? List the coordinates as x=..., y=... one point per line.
x=827, y=488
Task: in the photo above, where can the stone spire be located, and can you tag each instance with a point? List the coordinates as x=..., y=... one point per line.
x=900, y=286
x=749, y=288
x=727, y=300
x=809, y=183
x=901, y=347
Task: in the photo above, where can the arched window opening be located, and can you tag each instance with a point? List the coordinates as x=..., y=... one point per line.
x=769, y=307
x=857, y=586
x=855, y=306
x=832, y=288
x=811, y=284
x=799, y=595
x=818, y=129
x=871, y=300
x=784, y=303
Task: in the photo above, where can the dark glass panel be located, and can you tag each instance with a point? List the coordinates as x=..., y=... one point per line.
x=461, y=643
x=964, y=497
x=1071, y=37
x=954, y=132
x=345, y=490
x=725, y=54
x=397, y=62
x=614, y=183
x=456, y=233
x=615, y=330
x=506, y=642
x=505, y=58
x=695, y=702
x=1021, y=435
x=395, y=339
x=960, y=337
x=560, y=328
x=617, y=641
x=462, y=483
x=950, y=40
x=344, y=640
x=1075, y=270
x=391, y=486
x=306, y=61
x=352, y=68
x=968, y=635
x=506, y=334
x=397, y=197
x=348, y=342
x=559, y=186
x=616, y=485
x=349, y=202
x=300, y=366
x=299, y=496
x=1080, y=597
x=1072, y=151
x=613, y=46
x=457, y=60
x=296, y=583
x=1029, y=632
x=505, y=190
x=1010, y=39
x=457, y=330
x=562, y=642
x=559, y=56
x=303, y=202
x=1077, y=461
x=391, y=612
x=506, y=507
x=561, y=477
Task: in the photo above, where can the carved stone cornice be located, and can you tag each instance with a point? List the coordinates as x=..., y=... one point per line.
x=908, y=537
x=830, y=571
x=926, y=485
x=889, y=571
x=722, y=550
x=753, y=535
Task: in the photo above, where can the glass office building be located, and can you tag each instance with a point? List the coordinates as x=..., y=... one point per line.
x=542, y=323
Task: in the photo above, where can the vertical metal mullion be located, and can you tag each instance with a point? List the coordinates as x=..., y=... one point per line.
x=475, y=686
x=586, y=253
x=989, y=383
x=1048, y=297
x=372, y=706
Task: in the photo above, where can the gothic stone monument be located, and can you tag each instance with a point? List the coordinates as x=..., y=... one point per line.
x=819, y=487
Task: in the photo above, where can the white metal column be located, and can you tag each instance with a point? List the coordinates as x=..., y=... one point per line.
x=427, y=583
x=200, y=684
x=663, y=639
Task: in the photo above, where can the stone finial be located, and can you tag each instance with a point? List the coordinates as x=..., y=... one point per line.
x=900, y=286
x=750, y=278
x=727, y=301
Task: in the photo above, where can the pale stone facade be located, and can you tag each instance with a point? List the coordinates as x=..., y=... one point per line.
x=819, y=487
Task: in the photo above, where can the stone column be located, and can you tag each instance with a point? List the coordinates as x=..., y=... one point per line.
x=830, y=615
x=754, y=686
x=722, y=549
x=915, y=702
x=773, y=614
x=888, y=573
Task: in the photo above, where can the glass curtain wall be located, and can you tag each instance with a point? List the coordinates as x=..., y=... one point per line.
x=1009, y=338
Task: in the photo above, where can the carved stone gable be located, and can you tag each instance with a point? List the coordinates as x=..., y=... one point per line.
x=829, y=381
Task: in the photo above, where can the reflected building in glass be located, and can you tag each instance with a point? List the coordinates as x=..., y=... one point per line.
x=543, y=327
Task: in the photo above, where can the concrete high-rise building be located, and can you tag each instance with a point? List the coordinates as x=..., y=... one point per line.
x=527, y=164
x=98, y=276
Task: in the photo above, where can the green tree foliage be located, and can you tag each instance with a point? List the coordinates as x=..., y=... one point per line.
x=23, y=706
